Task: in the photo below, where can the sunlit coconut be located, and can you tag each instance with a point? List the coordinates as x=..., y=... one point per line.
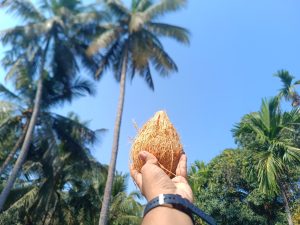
x=159, y=137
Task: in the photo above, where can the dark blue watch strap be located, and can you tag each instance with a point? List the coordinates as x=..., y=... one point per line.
x=179, y=203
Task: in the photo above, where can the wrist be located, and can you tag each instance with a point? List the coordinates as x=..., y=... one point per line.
x=155, y=194
x=180, y=204
x=165, y=215
x=174, y=201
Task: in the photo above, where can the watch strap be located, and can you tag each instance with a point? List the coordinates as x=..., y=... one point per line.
x=179, y=203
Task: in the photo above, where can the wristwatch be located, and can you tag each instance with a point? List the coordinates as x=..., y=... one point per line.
x=179, y=203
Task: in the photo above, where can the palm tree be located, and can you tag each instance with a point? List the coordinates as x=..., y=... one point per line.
x=130, y=44
x=288, y=91
x=22, y=103
x=270, y=136
x=59, y=156
x=50, y=38
x=124, y=210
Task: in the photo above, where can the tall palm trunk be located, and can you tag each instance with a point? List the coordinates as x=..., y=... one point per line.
x=286, y=205
x=26, y=144
x=15, y=148
x=114, y=152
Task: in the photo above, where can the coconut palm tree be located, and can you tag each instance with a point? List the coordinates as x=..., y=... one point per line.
x=59, y=156
x=288, y=91
x=49, y=38
x=11, y=127
x=71, y=196
x=130, y=44
x=270, y=135
x=22, y=104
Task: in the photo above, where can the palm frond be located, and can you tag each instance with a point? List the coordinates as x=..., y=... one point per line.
x=64, y=61
x=24, y=9
x=89, y=63
x=297, y=82
x=285, y=77
x=108, y=58
x=59, y=93
x=86, y=18
x=146, y=74
x=117, y=8
x=270, y=169
x=120, y=183
x=161, y=60
x=163, y=7
x=162, y=29
x=81, y=87
x=103, y=41
x=26, y=200
x=292, y=155
x=71, y=127
x=143, y=5
x=288, y=89
x=8, y=94
x=26, y=35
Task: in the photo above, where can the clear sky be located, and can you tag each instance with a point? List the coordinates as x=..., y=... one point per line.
x=236, y=47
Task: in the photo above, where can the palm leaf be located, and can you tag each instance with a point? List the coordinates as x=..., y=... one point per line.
x=285, y=77
x=107, y=59
x=270, y=169
x=161, y=60
x=8, y=94
x=103, y=41
x=26, y=200
x=288, y=89
x=117, y=8
x=146, y=74
x=24, y=9
x=143, y=5
x=162, y=29
x=163, y=7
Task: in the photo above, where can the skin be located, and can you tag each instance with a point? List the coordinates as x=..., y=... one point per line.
x=152, y=181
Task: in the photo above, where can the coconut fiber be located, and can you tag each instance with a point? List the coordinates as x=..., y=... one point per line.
x=159, y=137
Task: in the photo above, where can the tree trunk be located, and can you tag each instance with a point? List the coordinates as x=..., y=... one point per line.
x=26, y=144
x=286, y=205
x=114, y=152
x=14, y=150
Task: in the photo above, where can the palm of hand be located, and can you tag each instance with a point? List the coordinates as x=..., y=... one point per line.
x=153, y=181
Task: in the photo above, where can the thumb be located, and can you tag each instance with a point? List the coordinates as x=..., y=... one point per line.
x=147, y=157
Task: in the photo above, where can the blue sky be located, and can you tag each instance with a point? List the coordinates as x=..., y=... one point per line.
x=236, y=47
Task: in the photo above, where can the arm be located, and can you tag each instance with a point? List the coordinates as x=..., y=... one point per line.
x=153, y=181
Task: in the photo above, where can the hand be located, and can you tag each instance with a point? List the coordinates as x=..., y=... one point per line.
x=153, y=181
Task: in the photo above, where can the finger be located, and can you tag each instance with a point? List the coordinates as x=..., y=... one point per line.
x=136, y=176
x=147, y=157
x=182, y=166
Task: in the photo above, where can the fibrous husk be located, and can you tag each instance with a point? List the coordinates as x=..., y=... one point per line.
x=159, y=137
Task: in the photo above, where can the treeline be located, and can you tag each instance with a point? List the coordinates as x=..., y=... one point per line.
x=259, y=183
x=48, y=175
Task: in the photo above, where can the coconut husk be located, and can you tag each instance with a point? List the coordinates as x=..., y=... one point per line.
x=159, y=137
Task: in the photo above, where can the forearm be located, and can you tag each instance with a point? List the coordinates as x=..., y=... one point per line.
x=166, y=216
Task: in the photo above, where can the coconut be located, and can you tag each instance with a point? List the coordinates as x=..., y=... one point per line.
x=159, y=137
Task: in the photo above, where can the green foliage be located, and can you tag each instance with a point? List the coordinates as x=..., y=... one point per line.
x=67, y=187
x=288, y=91
x=223, y=189
x=270, y=135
